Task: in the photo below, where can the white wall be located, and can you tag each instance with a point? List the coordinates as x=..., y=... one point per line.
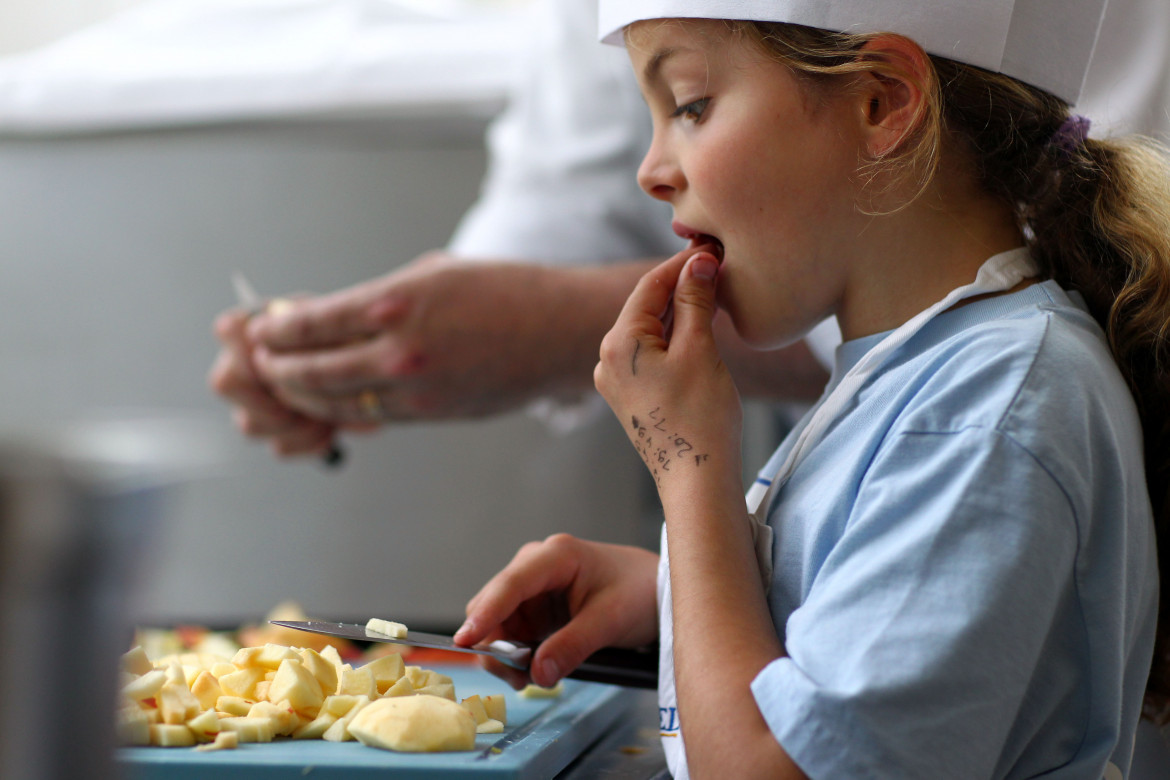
x=28, y=24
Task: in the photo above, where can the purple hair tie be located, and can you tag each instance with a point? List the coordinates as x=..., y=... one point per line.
x=1071, y=135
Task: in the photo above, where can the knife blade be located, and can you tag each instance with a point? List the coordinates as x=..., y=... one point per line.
x=614, y=665
x=248, y=298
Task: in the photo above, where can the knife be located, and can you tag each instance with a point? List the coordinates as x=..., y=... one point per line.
x=247, y=297
x=613, y=665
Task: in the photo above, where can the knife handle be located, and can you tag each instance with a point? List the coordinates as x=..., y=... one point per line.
x=620, y=666
x=334, y=457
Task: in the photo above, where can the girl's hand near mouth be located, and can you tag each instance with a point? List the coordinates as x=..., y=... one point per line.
x=662, y=374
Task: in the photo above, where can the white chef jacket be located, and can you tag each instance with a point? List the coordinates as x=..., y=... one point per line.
x=561, y=184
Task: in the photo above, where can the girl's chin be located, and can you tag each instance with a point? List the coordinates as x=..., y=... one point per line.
x=762, y=336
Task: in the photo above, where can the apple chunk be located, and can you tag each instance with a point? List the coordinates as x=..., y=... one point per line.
x=136, y=661
x=296, y=684
x=387, y=627
x=415, y=724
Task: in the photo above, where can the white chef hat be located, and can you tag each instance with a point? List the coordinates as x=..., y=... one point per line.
x=1045, y=43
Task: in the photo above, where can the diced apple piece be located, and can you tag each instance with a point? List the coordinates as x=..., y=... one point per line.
x=237, y=706
x=246, y=657
x=171, y=735
x=133, y=726
x=176, y=674
x=315, y=728
x=136, y=661
x=224, y=740
x=330, y=654
x=340, y=705
x=357, y=682
x=241, y=683
x=221, y=668
x=496, y=707
x=387, y=670
x=418, y=676
x=442, y=690
x=387, y=627
x=271, y=656
x=490, y=726
x=260, y=692
x=284, y=721
x=176, y=703
x=537, y=692
x=204, y=726
x=145, y=686
x=415, y=724
x=249, y=729
x=296, y=684
x=339, y=731
x=474, y=705
x=400, y=688
x=322, y=668
x=434, y=678
x=206, y=689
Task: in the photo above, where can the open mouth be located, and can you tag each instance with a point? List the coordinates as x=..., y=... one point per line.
x=708, y=242
x=699, y=239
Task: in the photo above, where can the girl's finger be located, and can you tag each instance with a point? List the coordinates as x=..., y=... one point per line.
x=537, y=568
x=565, y=650
x=650, y=301
x=694, y=297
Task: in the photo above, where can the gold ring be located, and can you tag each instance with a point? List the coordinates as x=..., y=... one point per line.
x=371, y=405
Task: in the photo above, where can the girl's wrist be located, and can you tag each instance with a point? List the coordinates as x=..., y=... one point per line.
x=706, y=487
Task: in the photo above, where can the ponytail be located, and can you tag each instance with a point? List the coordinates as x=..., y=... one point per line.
x=1103, y=228
x=1096, y=215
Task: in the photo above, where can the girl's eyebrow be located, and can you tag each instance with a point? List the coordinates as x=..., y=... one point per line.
x=654, y=65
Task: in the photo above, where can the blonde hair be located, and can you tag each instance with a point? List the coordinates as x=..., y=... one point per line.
x=1096, y=217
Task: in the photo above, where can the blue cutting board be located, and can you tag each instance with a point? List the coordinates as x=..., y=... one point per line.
x=542, y=737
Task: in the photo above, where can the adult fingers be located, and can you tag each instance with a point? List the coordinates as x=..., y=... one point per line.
x=339, y=371
x=342, y=317
x=231, y=326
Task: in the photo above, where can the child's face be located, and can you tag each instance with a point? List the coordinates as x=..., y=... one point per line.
x=748, y=156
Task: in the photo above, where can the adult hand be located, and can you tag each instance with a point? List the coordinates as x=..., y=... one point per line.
x=574, y=597
x=255, y=410
x=661, y=372
x=439, y=338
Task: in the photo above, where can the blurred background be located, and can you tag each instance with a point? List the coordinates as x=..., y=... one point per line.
x=150, y=148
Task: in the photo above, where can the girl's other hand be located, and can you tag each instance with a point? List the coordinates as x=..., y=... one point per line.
x=668, y=385
x=571, y=596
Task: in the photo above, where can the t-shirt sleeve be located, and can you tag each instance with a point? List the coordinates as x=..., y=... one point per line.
x=917, y=639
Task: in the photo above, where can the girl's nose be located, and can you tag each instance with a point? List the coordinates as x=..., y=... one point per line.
x=658, y=175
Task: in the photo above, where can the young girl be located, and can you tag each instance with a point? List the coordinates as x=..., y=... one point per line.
x=948, y=569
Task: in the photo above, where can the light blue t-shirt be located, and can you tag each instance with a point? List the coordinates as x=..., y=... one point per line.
x=965, y=577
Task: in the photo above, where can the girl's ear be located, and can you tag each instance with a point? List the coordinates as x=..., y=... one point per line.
x=894, y=94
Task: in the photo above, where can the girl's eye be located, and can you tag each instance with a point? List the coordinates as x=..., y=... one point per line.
x=692, y=111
